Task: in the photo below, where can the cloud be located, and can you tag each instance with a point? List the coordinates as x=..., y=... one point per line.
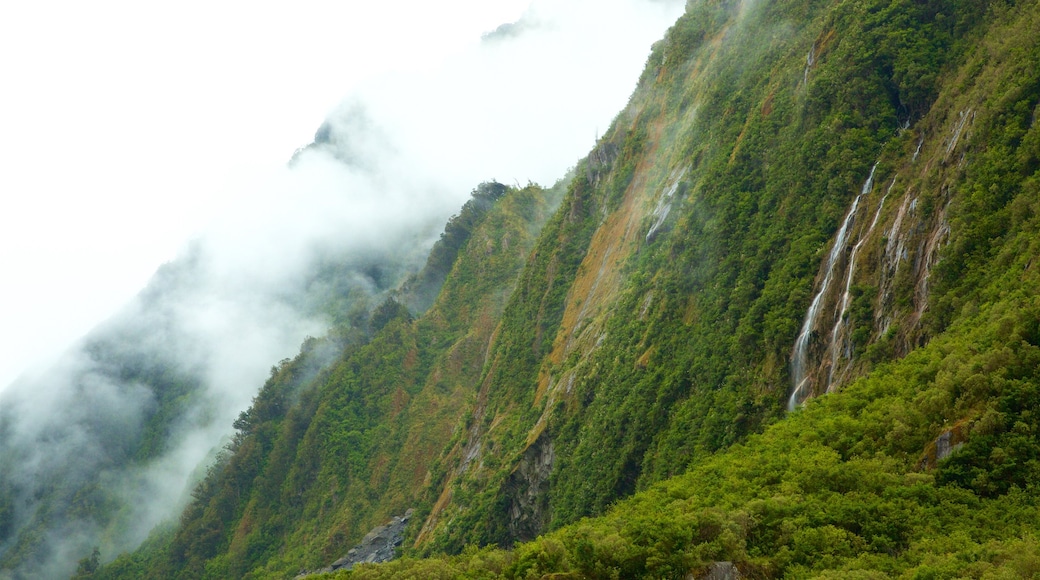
x=136, y=407
x=529, y=104
x=349, y=217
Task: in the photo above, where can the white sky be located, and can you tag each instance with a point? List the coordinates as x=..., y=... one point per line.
x=127, y=127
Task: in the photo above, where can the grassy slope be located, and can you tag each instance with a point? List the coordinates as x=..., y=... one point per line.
x=849, y=485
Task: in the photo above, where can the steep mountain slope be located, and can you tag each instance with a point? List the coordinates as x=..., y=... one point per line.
x=819, y=203
x=927, y=466
x=101, y=447
x=694, y=232
x=317, y=462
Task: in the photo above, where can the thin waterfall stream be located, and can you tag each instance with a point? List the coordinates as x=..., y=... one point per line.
x=839, y=342
x=800, y=356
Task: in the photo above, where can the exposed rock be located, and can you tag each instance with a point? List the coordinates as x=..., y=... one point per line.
x=527, y=489
x=600, y=160
x=379, y=545
x=719, y=571
x=944, y=445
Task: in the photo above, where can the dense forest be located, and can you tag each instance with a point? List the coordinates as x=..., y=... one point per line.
x=782, y=321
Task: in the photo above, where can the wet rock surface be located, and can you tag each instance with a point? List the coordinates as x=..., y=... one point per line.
x=720, y=571
x=944, y=446
x=379, y=545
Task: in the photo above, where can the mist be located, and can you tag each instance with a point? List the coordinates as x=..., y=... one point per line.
x=132, y=411
x=287, y=251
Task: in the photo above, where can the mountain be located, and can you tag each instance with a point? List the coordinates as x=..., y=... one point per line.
x=367, y=427
x=782, y=321
x=103, y=446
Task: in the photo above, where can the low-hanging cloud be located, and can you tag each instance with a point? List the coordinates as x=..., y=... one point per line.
x=365, y=201
x=528, y=103
x=198, y=343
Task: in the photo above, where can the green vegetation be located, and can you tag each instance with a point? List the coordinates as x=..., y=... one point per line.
x=685, y=352
x=323, y=455
x=842, y=487
x=422, y=289
x=562, y=369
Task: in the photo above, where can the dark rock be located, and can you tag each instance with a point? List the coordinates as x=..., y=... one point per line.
x=378, y=545
x=944, y=445
x=527, y=490
x=719, y=571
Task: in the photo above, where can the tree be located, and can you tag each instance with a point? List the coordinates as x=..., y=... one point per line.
x=88, y=565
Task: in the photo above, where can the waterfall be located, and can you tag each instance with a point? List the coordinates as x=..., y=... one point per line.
x=664, y=205
x=894, y=247
x=800, y=356
x=839, y=335
x=810, y=60
x=917, y=152
x=965, y=115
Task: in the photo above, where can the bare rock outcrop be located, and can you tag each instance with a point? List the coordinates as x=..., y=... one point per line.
x=379, y=545
x=719, y=571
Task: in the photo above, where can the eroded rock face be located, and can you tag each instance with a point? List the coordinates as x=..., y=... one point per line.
x=528, y=491
x=944, y=446
x=719, y=571
x=379, y=545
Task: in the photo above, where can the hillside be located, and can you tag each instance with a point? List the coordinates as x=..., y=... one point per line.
x=368, y=428
x=101, y=446
x=786, y=307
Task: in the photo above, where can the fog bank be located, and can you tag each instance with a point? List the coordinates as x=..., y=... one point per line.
x=282, y=251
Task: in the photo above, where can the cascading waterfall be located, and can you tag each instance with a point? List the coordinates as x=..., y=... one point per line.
x=962, y=120
x=810, y=61
x=839, y=335
x=664, y=205
x=894, y=248
x=800, y=356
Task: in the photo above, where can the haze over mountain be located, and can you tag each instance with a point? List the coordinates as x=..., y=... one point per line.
x=128, y=130
x=120, y=420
